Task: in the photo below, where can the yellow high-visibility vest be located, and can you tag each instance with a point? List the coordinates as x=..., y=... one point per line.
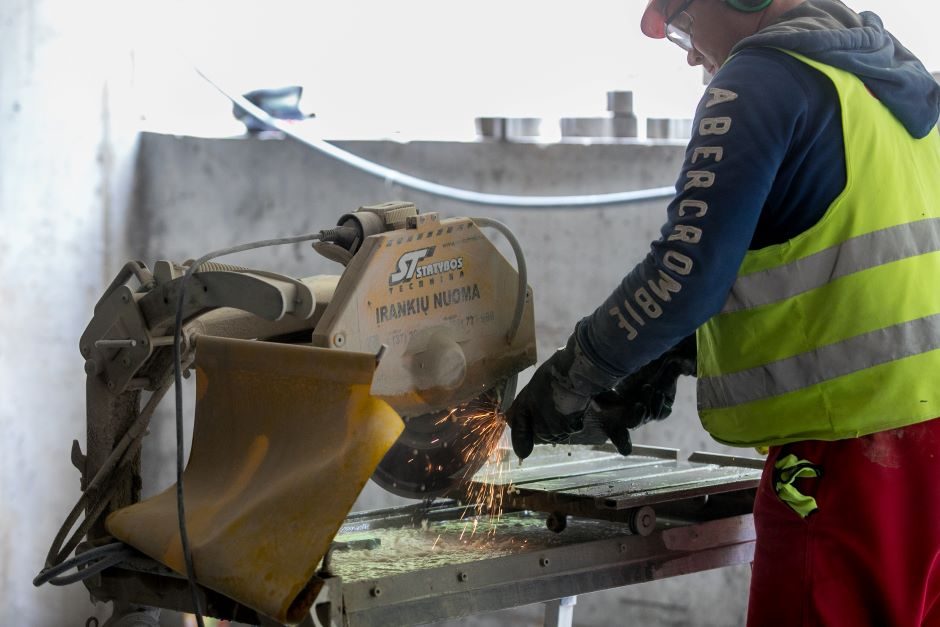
x=836, y=333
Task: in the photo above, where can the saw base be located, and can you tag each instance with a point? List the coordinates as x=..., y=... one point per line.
x=429, y=562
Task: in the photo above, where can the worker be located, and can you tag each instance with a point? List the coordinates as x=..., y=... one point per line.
x=797, y=276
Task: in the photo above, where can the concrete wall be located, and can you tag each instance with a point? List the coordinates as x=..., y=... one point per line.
x=65, y=148
x=194, y=195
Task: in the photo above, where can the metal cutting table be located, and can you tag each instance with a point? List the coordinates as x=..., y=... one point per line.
x=574, y=520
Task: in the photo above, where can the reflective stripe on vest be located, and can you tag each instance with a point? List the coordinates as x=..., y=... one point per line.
x=857, y=254
x=828, y=362
x=836, y=332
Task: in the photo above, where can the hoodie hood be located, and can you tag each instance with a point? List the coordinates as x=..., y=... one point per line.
x=829, y=32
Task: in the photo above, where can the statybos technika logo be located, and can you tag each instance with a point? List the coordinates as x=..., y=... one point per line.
x=408, y=268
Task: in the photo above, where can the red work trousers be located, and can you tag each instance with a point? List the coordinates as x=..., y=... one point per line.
x=870, y=555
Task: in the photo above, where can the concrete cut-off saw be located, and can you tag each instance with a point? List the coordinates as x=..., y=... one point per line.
x=305, y=388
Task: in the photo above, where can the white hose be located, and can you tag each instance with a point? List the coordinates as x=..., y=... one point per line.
x=395, y=177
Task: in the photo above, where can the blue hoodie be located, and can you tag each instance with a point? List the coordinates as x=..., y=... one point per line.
x=781, y=166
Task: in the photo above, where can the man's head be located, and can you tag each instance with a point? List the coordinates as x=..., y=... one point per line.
x=709, y=29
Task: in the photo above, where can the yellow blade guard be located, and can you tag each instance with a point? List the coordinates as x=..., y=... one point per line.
x=285, y=438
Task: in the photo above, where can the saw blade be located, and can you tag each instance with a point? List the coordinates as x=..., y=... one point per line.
x=437, y=451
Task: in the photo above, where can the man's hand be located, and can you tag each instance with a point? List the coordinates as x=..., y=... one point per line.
x=551, y=407
x=645, y=396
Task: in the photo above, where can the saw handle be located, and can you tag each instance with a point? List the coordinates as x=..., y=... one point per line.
x=523, y=285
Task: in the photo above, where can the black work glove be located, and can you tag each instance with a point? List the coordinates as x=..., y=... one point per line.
x=551, y=407
x=646, y=395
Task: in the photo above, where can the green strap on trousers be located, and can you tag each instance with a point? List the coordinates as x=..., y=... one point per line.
x=787, y=470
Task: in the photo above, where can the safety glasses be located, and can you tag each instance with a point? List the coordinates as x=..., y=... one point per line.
x=679, y=27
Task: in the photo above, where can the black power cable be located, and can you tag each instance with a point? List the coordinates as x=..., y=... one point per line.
x=87, y=563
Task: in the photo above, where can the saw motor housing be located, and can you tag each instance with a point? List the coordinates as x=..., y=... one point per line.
x=443, y=306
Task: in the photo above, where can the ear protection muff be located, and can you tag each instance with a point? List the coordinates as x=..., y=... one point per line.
x=749, y=6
